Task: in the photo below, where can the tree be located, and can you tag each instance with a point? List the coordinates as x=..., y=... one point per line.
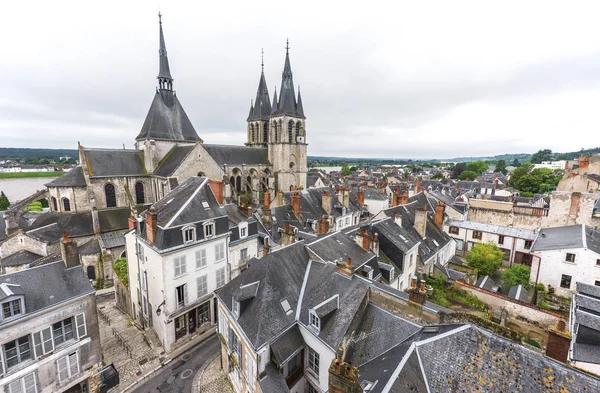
x=485, y=257
x=477, y=166
x=534, y=181
x=515, y=275
x=346, y=170
x=458, y=169
x=541, y=155
x=468, y=175
x=501, y=166
x=4, y=203
x=438, y=176
x=518, y=173
x=516, y=163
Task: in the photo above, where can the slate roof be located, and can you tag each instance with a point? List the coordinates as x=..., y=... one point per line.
x=237, y=155
x=281, y=274
x=19, y=258
x=50, y=226
x=73, y=178
x=287, y=99
x=167, y=120
x=594, y=177
x=287, y=345
x=273, y=381
x=520, y=233
x=334, y=246
x=48, y=285
x=115, y=162
x=90, y=247
x=567, y=237
x=173, y=160
x=486, y=283
x=451, y=274
x=261, y=110
x=113, y=239
x=369, y=193
x=517, y=292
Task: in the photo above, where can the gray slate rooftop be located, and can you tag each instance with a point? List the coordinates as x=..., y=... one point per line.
x=237, y=155
x=567, y=237
x=173, y=160
x=19, y=258
x=73, y=178
x=115, y=162
x=520, y=233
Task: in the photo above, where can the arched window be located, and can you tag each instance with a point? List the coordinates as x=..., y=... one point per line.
x=249, y=185
x=280, y=129
x=251, y=132
x=238, y=183
x=109, y=193
x=139, y=193
x=232, y=181
x=291, y=132
x=54, y=204
x=298, y=129
x=66, y=205
x=91, y=272
x=275, y=132
x=266, y=132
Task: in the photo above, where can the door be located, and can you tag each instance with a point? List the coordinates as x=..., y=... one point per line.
x=192, y=321
x=180, y=328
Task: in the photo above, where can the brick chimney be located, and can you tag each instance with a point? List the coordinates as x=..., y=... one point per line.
x=404, y=196
x=266, y=246
x=421, y=221
x=343, y=377
x=346, y=198
x=151, y=225
x=375, y=244
x=360, y=196
x=287, y=235
x=584, y=162
x=131, y=222
x=362, y=239
x=296, y=203
x=217, y=189
x=279, y=198
x=69, y=251
x=326, y=202
x=322, y=225
x=395, y=199
x=267, y=201
x=496, y=182
x=417, y=185
x=245, y=209
x=559, y=342
x=440, y=209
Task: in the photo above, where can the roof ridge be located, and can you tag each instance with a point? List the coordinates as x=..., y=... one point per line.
x=186, y=203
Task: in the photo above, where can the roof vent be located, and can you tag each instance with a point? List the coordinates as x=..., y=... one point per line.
x=205, y=205
x=431, y=329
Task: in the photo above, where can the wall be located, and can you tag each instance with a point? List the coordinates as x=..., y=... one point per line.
x=375, y=205
x=326, y=356
x=251, y=244
x=121, y=183
x=515, y=309
x=567, y=208
x=22, y=241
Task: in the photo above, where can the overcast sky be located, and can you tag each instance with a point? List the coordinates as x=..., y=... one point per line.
x=401, y=79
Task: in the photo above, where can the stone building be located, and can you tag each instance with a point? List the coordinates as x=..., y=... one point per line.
x=49, y=332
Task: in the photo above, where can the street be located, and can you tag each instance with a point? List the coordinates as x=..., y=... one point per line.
x=178, y=375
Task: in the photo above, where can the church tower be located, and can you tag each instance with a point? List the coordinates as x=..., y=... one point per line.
x=260, y=111
x=287, y=133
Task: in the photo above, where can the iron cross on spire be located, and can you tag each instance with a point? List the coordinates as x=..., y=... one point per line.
x=287, y=46
x=262, y=58
x=159, y=17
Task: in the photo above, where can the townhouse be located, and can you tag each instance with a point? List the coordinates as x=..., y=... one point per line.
x=584, y=318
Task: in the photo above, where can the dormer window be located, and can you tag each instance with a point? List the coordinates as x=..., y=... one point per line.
x=314, y=320
x=243, y=230
x=189, y=234
x=11, y=308
x=236, y=308
x=209, y=229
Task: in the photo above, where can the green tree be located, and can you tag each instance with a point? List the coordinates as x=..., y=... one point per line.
x=346, y=170
x=501, y=166
x=35, y=206
x=541, y=155
x=120, y=267
x=477, y=166
x=516, y=163
x=519, y=172
x=468, y=175
x=485, y=257
x=515, y=275
x=438, y=176
x=4, y=203
x=458, y=169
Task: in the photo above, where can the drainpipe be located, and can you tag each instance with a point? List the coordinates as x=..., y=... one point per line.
x=512, y=251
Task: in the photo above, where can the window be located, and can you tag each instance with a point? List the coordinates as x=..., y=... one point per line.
x=291, y=132
x=109, y=193
x=243, y=255
x=500, y=239
x=243, y=231
x=235, y=346
x=410, y=260
x=179, y=267
x=570, y=257
x=528, y=244
x=209, y=230
x=63, y=331
x=313, y=361
x=80, y=324
x=314, y=320
x=54, y=204
x=27, y=384
x=312, y=389
x=220, y=274
x=200, y=259
x=476, y=235
x=565, y=281
x=66, y=205
x=459, y=245
x=297, y=130
x=266, y=132
x=67, y=366
x=597, y=283
x=235, y=307
x=139, y=193
x=140, y=250
x=249, y=366
x=43, y=342
x=597, y=262
x=252, y=132
x=11, y=308
x=204, y=313
x=189, y=235
x=219, y=252
x=454, y=230
x=202, y=284
x=17, y=351
x=181, y=295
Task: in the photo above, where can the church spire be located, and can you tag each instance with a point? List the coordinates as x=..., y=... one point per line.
x=262, y=103
x=275, y=105
x=287, y=95
x=299, y=107
x=165, y=81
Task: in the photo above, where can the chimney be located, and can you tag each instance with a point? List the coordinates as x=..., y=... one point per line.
x=421, y=221
x=326, y=202
x=345, y=268
x=346, y=198
x=398, y=219
x=395, y=199
x=287, y=235
x=375, y=244
x=559, y=342
x=404, y=196
x=266, y=247
x=496, y=181
x=131, y=222
x=584, y=162
x=440, y=209
x=151, y=225
x=343, y=377
x=417, y=185
x=279, y=198
x=360, y=195
x=296, y=202
x=217, y=189
x=69, y=251
x=322, y=225
x=267, y=202
x=245, y=209
x=362, y=239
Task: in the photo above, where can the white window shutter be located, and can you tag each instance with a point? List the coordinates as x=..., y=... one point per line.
x=185, y=294
x=63, y=372
x=37, y=344
x=15, y=387
x=81, y=328
x=1, y=364
x=73, y=364
x=47, y=340
x=29, y=382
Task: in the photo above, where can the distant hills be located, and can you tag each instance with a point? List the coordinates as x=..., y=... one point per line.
x=14, y=153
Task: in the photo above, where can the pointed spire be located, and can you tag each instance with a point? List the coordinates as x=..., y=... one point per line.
x=165, y=80
x=275, y=105
x=262, y=60
x=299, y=108
x=251, y=109
x=262, y=103
x=287, y=96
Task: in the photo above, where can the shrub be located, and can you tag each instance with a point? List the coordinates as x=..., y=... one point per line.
x=515, y=275
x=485, y=257
x=120, y=268
x=532, y=342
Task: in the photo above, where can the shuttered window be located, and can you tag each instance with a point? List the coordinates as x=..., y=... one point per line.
x=43, y=342
x=27, y=384
x=67, y=367
x=80, y=324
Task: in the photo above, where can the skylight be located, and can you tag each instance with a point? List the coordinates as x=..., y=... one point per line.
x=205, y=204
x=286, y=307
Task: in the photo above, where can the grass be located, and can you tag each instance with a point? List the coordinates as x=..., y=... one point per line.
x=532, y=342
x=443, y=294
x=25, y=175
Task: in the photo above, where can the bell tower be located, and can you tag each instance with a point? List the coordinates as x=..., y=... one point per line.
x=260, y=110
x=287, y=133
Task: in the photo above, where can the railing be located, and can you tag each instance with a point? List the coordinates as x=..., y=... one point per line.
x=122, y=342
x=104, y=317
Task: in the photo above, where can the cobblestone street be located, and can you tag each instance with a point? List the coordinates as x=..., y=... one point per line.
x=212, y=379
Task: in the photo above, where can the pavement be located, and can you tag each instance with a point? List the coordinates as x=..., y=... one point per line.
x=211, y=379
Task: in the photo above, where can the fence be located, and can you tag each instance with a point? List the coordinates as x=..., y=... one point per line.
x=122, y=342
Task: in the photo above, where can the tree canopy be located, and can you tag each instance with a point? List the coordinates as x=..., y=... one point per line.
x=477, y=166
x=541, y=155
x=346, y=171
x=534, y=181
x=501, y=166
x=468, y=175
x=515, y=275
x=485, y=257
x=458, y=169
x=4, y=203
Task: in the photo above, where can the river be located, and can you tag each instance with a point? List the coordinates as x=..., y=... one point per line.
x=17, y=189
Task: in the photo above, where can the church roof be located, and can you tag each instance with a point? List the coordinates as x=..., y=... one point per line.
x=73, y=178
x=115, y=162
x=237, y=155
x=163, y=60
x=166, y=120
x=287, y=104
x=262, y=105
x=173, y=160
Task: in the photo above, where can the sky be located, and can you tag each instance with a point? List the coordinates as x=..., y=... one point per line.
x=402, y=79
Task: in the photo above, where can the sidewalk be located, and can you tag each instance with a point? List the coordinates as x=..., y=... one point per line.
x=211, y=379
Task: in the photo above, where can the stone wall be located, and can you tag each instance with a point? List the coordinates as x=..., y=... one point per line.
x=403, y=308
x=21, y=241
x=568, y=208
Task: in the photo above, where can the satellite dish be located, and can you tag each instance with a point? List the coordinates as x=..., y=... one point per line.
x=158, y=311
